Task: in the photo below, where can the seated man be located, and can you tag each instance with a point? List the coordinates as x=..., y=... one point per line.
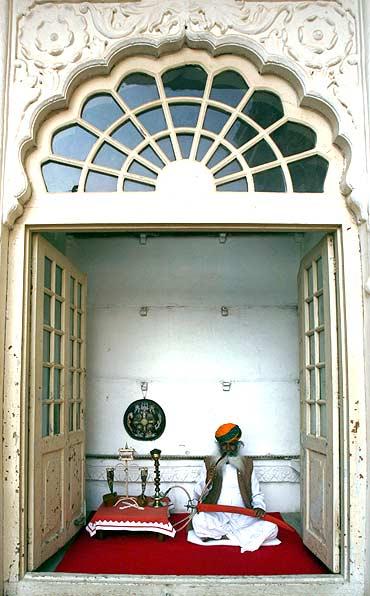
x=230, y=480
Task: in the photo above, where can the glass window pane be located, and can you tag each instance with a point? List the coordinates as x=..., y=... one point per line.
x=152, y=156
x=270, y=181
x=59, y=177
x=70, y=416
x=78, y=385
x=322, y=346
x=215, y=119
x=70, y=385
x=166, y=145
x=313, y=419
x=311, y=342
x=47, y=309
x=57, y=348
x=137, y=89
x=228, y=87
x=72, y=290
x=73, y=141
x=110, y=157
x=311, y=315
x=220, y=154
x=71, y=321
x=240, y=133
x=259, y=154
x=58, y=280
x=56, y=383
x=135, y=186
x=236, y=185
x=46, y=346
x=128, y=135
x=320, y=309
x=79, y=295
x=58, y=315
x=78, y=362
x=319, y=273
x=140, y=170
x=322, y=379
x=292, y=138
x=153, y=120
x=203, y=146
x=231, y=168
x=47, y=273
x=79, y=325
x=308, y=175
x=101, y=111
x=323, y=421
x=312, y=384
x=99, y=182
x=45, y=383
x=186, y=81
x=57, y=419
x=309, y=282
x=185, y=143
x=185, y=114
x=265, y=108
x=78, y=416
x=45, y=420
x=71, y=353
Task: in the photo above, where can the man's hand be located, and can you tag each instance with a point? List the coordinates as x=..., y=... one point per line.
x=260, y=513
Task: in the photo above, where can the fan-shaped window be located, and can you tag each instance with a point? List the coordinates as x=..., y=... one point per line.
x=125, y=137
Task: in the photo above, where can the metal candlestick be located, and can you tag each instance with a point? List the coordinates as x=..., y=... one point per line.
x=156, y=453
x=110, y=479
x=142, y=499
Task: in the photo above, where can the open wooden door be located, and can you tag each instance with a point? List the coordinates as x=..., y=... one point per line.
x=319, y=403
x=57, y=395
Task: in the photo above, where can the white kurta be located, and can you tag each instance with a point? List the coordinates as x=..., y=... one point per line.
x=247, y=532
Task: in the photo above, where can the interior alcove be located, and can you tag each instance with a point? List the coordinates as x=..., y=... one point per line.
x=184, y=348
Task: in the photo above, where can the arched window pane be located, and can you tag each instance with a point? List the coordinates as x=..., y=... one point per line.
x=259, y=154
x=185, y=142
x=184, y=114
x=134, y=185
x=140, y=170
x=265, y=108
x=101, y=111
x=270, y=181
x=233, y=186
x=186, y=81
x=128, y=135
x=231, y=168
x=137, y=89
x=99, y=182
x=240, y=133
x=308, y=175
x=292, y=138
x=229, y=87
x=73, y=141
x=203, y=146
x=151, y=155
x=153, y=120
x=110, y=157
x=166, y=145
x=220, y=153
x=60, y=177
x=215, y=119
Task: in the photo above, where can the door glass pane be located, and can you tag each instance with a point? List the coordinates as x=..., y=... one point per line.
x=234, y=186
x=79, y=295
x=72, y=290
x=79, y=325
x=228, y=87
x=57, y=419
x=215, y=119
x=322, y=346
x=185, y=114
x=60, y=177
x=259, y=154
x=45, y=383
x=78, y=362
x=319, y=273
x=56, y=383
x=73, y=141
x=240, y=133
x=312, y=384
x=47, y=309
x=231, y=168
x=47, y=273
x=203, y=146
x=59, y=280
x=136, y=186
x=313, y=419
x=265, y=108
x=70, y=416
x=166, y=145
x=322, y=379
x=137, y=89
x=78, y=385
x=58, y=315
x=270, y=181
x=312, y=349
x=45, y=420
x=101, y=111
x=110, y=157
x=152, y=156
x=71, y=355
x=99, y=182
x=153, y=120
x=57, y=348
x=292, y=138
x=185, y=143
x=71, y=321
x=128, y=135
x=140, y=170
x=311, y=318
x=308, y=175
x=309, y=281
x=186, y=81
x=78, y=416
x=220, y=154
x=320, y=309
x=70, y=384
x=323, y=421
x=46, y=346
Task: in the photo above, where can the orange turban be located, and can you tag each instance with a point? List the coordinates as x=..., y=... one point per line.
x=228, y=433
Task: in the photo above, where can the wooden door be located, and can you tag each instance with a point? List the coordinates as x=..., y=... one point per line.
x=57, y=396
x=319, y=402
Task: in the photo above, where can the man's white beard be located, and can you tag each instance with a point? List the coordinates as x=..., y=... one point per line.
x=234, y=460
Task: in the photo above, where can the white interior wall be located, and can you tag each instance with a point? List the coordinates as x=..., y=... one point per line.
x=184, y=348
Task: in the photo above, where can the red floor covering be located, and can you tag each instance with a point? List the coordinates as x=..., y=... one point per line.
x=141, y=553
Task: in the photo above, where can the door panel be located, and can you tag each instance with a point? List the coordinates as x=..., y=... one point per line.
x=57, y=393
x=319, y=402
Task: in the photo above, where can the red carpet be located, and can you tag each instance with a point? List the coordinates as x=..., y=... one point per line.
x=141, y=553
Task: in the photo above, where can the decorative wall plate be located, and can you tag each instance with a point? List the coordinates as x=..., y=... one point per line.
x=144, y=420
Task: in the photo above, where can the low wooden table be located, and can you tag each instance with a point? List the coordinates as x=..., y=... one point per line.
x=146, y=519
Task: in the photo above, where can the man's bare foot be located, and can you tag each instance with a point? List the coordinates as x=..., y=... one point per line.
x=207, y=539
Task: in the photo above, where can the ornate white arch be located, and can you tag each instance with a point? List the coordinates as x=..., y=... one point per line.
x=311, y=44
